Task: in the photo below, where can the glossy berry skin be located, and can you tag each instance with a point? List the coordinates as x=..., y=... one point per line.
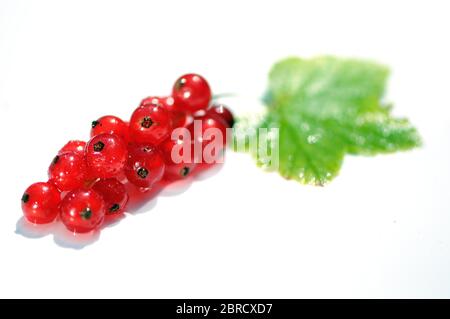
x=113, y=193
x=110, y=124
x=73, y=146
x=149, y=124
x=191, y=92
x=67, y=171
x=106, y=155
x=207, y=121
x=202, y=136
x=82, y=210
x=145, y=165
x=40, y=203
x=178, y=118
x=176, y=169
x=162, y=101
x=223, y=112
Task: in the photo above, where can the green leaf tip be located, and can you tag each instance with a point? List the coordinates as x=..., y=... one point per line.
x=324, y=108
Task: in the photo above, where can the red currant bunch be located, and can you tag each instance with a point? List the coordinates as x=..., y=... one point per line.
x=165, y=140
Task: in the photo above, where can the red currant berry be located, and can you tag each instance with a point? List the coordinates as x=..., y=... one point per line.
x=209, y=138
x=106, y=155
x=199, y=130
x=178, y=117
x=178, y=164
x=144, y=166
x=73, y=146
x=156, y=101
x=223, y=112
x=67, y=171
x=114, y=194
x=40, y=203
x=110, y=124
x=150, y=124
x=191, y=93
x=82, y=210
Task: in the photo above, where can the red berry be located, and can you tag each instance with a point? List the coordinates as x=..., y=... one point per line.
x=114, y=194
x=156, y=101
x=144, y=166
x=73, y=146
x=67, y=171
x=106, y=155
x=191, y=93
x=178, y=166
x=207, y=144
x=199, y=127
x=149, y=124
x=110, y=124
x=40, y=203
x=82, y=210
x=223, y=112
x=178, y=117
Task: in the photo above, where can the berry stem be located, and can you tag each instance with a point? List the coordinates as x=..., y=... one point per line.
x=223, y=95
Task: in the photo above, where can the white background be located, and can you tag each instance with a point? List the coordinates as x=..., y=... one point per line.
x=381, y=229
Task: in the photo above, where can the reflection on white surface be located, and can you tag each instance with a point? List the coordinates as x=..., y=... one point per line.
x=141, y=201
x=61, y=235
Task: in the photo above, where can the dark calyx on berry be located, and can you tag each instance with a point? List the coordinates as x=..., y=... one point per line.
x=25, y=198
x=98, y=147
x=55, y=160
x=114, y=208
x=95, y=123
x=142, y=172
x=146, y=122
x=180, y=83
x=86, y=213
x=184, y=171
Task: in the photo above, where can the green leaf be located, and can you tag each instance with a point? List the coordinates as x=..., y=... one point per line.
x=325, y=108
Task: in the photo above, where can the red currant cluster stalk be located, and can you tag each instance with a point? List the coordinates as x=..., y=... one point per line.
x=87, y=181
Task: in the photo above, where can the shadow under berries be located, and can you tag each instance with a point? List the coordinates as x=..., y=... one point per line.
x=141, y=201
